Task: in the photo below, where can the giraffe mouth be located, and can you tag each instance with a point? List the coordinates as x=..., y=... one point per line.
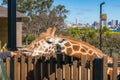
x=58, y=47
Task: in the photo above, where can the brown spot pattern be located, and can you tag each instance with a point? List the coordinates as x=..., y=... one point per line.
x=67, y=44
x=46, y=50
x=63, y=48
x=69, y=50
x=84, y=47
x=90, y=51
x=77, y=55
x=76, y=48
x=82, y=50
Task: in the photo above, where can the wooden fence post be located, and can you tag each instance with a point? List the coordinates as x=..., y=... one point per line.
x=59, y=67
x=105, y=66
x=83, y=69
x=15, y=68
x=115, y=64
x=29, y=68
x=91, y=67
x=75, y=69
x=8, y=66
x=22, y=63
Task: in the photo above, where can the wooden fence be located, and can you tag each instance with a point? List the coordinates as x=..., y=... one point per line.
x=60, y=68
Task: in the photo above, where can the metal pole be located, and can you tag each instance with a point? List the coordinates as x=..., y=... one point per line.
x=101, y=24
x=12, y=25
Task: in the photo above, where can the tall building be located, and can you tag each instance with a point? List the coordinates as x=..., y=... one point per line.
x=76, y=20
x=112, y=23
x=95, y=24
x=116, y=23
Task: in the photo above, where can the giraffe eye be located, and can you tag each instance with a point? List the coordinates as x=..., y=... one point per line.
x=49, y=42
x=62, y=41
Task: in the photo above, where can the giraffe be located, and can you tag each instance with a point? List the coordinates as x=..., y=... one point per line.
x=76, y=48
x=41, y=46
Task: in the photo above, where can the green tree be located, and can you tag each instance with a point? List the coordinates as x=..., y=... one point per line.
x=42, y=14
x=105, y=29
x=74, y=32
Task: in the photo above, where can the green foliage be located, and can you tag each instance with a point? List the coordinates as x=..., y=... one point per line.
x=74, y=32
x=81, y=33
x=31, y=37
x=27, y=39
x=42, y=14
x=105, y=29
x=31, y=7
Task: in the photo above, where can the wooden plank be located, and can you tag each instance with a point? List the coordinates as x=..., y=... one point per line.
x=8, y=66
x=115, y=64
x=36, y=69
x=29, y=69
x=91, y=67
x=18, y=69
x=22, y=68
x=59, y=71
x=15, y=68
x=75, y=70
x=79, y=69
x=45, y=69
x=52, y=69
x=105, y=68
x=66, y=68
x=83, y=69
x=41, y=68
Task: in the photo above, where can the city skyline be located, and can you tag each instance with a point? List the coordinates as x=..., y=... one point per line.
x=88, y=11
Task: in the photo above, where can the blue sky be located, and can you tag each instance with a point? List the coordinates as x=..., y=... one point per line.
x=88, y=11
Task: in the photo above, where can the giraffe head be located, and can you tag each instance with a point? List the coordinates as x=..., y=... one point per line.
x=62, y=44
x=43, y=44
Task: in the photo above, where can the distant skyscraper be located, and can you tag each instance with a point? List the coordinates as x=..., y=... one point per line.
x=95, y=24
x=76, y=20
x=116, y=22
x=112, y=23
x=109, y=23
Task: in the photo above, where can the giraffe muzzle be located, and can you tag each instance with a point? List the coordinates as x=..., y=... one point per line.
x=58, y=47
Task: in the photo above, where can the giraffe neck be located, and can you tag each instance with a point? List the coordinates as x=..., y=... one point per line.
x=78, y=48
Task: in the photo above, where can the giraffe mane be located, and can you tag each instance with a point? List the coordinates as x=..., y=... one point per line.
x=76, y=40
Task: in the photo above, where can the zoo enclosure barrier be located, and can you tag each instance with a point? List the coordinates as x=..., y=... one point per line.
x=60, y=68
